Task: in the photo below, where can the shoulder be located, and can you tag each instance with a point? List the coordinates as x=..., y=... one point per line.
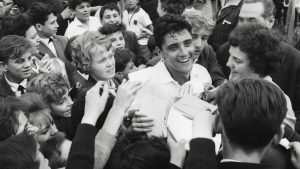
x=61, y=38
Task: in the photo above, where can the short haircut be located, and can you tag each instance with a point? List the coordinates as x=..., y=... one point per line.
x=13, y=47
x=122, y=57
x=10, y=108
x=169, y=23
x=251, y=112
x=69, y=48
x=84, y=47
x=110, y=6
x=51, y=87
x=174, y=6
x=15, y=25
x=260, y=45
x=51, y=150
x=269, y=7
x=39, y=12
x=198, y=20
x=19, y=152
x=74, y=3
x=151, y=153
x=109, y=29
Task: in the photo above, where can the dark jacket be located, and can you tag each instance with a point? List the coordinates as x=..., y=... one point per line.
x=5, y=89
x=77, y=110
x=82, y=149
x=225, y=23
x=131, y=43
x=208, y=59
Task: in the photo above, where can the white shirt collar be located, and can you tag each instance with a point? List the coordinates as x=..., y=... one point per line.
x=231, y=3
x=165, y=75
x=46, y=40
x=14, y=86
x=229, y=160
x=80, y=24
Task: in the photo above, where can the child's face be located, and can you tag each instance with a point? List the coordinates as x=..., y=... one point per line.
x=117, y=40
x=102, y=64
x=131, y=4
x=111, y=17
x=130, y=67
x=83, y=11
x=63, y=107
x=20, y=68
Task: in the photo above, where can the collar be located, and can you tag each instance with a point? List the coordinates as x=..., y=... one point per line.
x=136, y=10
x=80, y=24
x=111, y=83
x=231, y=3
x=14, y=86
x=46, y=40
x=229, y=160
x=165, y=76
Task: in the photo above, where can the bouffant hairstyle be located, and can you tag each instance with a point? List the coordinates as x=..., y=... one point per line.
x=260, y=45
x=85, y=46
x=51, y=87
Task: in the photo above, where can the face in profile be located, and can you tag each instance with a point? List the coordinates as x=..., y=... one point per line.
x=239, y=65
x=102, y=65
x=177, y=51
x=50, y=27
x=32, y=36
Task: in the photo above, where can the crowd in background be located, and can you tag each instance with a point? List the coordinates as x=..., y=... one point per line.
x=84, y=83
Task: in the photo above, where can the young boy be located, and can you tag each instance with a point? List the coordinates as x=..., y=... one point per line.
x=124, y=62
x=16, y=63
x=139, y=22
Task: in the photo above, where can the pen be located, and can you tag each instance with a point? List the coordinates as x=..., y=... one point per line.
x=171, y=134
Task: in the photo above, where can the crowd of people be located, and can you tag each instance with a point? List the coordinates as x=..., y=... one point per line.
x=84, y=84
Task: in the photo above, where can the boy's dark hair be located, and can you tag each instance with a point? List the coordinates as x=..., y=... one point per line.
x=51, y=150
x=14, y=25
x=151, y=153
x=19, y=152
x=169, y=23
x=109, y=29
x=74, y=3
x=13, y=47
x=174, y=6
x=110, y=6
x=39, y=12
x=122, y=57
x=251, y=112
x=260, y=45
x=69, y=49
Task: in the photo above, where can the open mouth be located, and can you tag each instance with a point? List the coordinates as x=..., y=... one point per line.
x=184, y=60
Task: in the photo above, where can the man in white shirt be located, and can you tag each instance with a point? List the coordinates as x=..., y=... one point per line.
x=173, y=77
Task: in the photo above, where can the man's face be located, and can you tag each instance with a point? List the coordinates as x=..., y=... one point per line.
x=177, y=51
x=117, y=40
x=50, y=27
x=111, y=17
x=83, y=11
x=20, y=68
x=200, y=37
x=253, y=13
